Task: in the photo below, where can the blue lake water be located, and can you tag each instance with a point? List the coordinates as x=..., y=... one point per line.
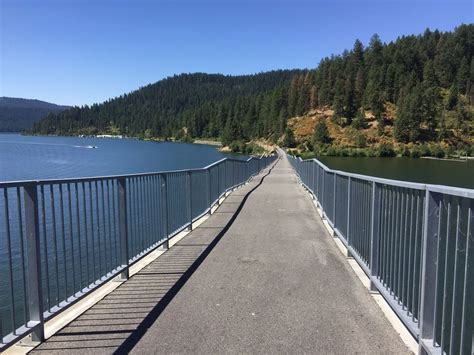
x=31, y=157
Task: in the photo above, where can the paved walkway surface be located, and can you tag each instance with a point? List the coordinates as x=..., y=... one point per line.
x=267, y=279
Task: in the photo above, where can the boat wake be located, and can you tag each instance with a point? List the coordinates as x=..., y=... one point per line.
x=52, y=144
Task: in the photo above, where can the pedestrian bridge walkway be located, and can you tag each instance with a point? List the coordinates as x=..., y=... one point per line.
x=260, y=275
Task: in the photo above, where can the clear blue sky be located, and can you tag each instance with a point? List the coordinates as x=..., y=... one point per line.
x=80, y=52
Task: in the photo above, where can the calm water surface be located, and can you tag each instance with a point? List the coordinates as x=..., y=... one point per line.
x=430, y=171
x=28, y=157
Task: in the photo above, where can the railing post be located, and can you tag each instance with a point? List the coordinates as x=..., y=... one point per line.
x=35, y=294
x=218, y=184
x=348, y=211
x=123, y=227
x=428, y=268
x=334, y=204
x=164, y=196
x=209, y=190
x=374, y=235
x=323, y=192
x=190, y=201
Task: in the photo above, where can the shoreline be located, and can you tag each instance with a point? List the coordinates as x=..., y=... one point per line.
x=207, y=142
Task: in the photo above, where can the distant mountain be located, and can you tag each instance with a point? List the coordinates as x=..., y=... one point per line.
x=17, y=114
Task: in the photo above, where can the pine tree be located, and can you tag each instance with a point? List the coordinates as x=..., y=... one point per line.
x=430, y=109
x=350, y=108
x=461, y=114
x=359, y=86
x=293, y=95
x=409, y=116
x=289, y=140
x=360, y=122
x=338, y=108
x=452, y=99
x=313, y=97
x=462, y=77
x=321, y=133
x=429, y=75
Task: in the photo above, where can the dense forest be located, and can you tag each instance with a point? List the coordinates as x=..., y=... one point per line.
x=194, y=105
x=418, y=88
x=18, y=114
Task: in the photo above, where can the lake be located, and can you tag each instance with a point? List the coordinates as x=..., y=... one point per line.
x=429, y=171
x=34, y=157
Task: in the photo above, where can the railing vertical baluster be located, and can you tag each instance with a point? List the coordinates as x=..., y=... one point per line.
x=428, y=271
x=190, y=200
x=63, y=232
x=374, y=235
x=45, y=246
x=78, y=228
x=123, y=227
x=73, y=261
x=164, y=196
x=323, y=200
x=334, y=201
x=86, y=237
x=22, y=252
x=218, y=185
x=35, y=293
x=209, y=203
x=349, y=179
x=468, y=289
x=55, y=238
x=104, y=227
x=10, y=261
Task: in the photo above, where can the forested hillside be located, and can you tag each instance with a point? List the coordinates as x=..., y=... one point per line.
x=18, y=114
x=197, y=105
x=416, y=89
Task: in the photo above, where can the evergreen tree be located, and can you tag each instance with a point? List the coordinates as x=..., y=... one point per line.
x=429, y=75
x=321, y=133
x=430, y=109
x=462, y=78
x=289, y=140
x=350, y=108
x=409, y=116
x=452, y=99
x=360, y=122
x=461, y=114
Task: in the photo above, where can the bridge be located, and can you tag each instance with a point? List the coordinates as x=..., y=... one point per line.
x=243, y=257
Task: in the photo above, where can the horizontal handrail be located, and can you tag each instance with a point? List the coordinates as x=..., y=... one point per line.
x=60, y=239
x=414, y=241
x=458, y=191
x=15, y=183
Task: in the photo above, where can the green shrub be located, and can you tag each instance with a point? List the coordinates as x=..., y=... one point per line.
x=360, y=140
x=438, y=151
x=237, y=147
x=307, y=155
x=331, y=151
x=252, y=148
x=289, y=140
x=403, y=150
x=321, y=133
x=425, y=150
x=416, y=152
x=385, y=150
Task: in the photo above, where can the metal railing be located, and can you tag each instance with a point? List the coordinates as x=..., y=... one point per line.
x=414, y=241
x=61, y=239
